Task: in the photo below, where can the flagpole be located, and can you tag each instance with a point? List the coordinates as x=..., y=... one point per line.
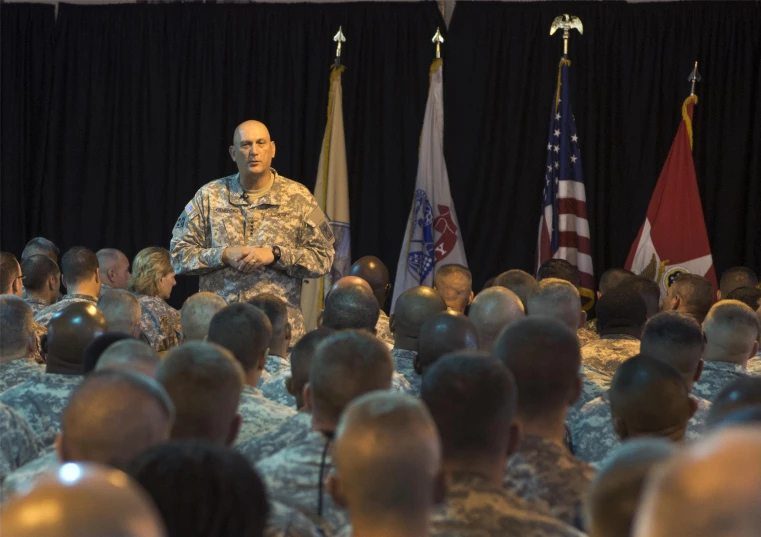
x=438, y=39
x=339, y=38
x=694, y=77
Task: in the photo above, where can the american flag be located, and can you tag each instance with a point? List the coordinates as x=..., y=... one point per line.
x=563, y=226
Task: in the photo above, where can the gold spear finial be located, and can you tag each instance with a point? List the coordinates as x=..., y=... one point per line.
x=566, y=23
x=438, y=39
x=339, y=38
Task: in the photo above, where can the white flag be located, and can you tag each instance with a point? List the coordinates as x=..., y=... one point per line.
x=332, y=193
x=433, y=237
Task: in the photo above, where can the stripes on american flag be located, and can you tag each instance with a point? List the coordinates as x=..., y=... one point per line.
x=563, y=226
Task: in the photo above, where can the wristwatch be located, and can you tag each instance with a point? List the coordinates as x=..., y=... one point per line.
x=276, y=254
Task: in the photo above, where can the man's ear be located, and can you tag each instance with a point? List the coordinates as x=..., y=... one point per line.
x=289, y=385
x=31, y=344
x=63, y=281
x=718, y=295
x=514, y=437
x=392, y=323
x=262, y=362
x=677, y=302
x=693, y=407
x=274, y=148
x=582, y=318
x=471, y=297
x=620, y=427
x=440, y=488
x=288, y=333
x=97, y=276
x=59, y=448
x=699, y=370
x=17, y=287
x=307, y=397
x=333, y=484
x=599, y=294
x=52, y=283
x=232, y=433
x=232, y=152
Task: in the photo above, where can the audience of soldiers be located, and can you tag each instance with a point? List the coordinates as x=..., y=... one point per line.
x=503, y=413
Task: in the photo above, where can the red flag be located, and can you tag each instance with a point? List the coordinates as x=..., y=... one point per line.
x=673, y=238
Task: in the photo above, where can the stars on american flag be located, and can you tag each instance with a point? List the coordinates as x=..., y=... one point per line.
x=557, y=132
x=556, y=148
x=557, y=165
x=549, y=147
x=557, y=116
x=574, y=138
x=573, y=159
x=549, y=168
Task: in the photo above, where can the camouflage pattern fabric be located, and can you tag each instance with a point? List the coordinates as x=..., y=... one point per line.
x=287, y=216
x=595, y=384
x=18, y=443
x=592, y=326
x=543, y=470
x=40, y=400
x=275, y=390
x=476, y=508
x=260, y=415
x=160, y=322
x=715, y=376
x=594, y=437
x=586, y=336
x=288, y=521
x=295, y=473
x=104, y=289
x=277, y=364
x=39, y=331
x=382, y=330
x=754, y=366
x=399, y=383
x=404, y=363
x=608, y=352
x=20, y=479
x=45, y=314
x=15, y=372
x=292, y=431
x=36, y=304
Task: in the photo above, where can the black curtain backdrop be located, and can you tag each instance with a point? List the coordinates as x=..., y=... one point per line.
x=143, y=100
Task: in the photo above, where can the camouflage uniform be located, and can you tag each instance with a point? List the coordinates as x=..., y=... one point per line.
x=260, y=415
x=18, y=444
x=476, y=508
x=288, y=521
x=294, y=430
x=715, y=376
x=45, y=314
x=20, y=479
x=586, y=336
x=286, y=216
x=40, y=400
x=594, y=437
x=754, y=366
x=595, y=384
x=382, y=330
x=17, y=371
x=104, y=289
x=39, y=331
x=404, y=362
x=591, y=325
x=160, y=322
x=543, y=470
x=36, y=304
x=277, y=364
x=295, y=473
x=275, y=390
x=608, y=352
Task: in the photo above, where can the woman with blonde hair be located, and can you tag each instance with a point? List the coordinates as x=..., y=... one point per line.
x=152, y=280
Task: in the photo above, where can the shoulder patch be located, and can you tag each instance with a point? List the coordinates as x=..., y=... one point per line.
x=191, y=210
x=181, y=221
x=326, y=231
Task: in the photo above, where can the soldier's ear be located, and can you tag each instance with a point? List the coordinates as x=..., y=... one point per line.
x=470, y=299
x=232, y=152
x=288, y=333
x=582, y=319
x=307, y=392
x=319, y=320
x=289, y=386
x=274, y=149
x=699, y=371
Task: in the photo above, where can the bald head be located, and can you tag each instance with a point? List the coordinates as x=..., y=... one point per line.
x=734, y=278
x=519, y=282
x=731, y=331
x=619, y=482
x=16, y=321
x=204, y=382
x=113, y=268
x=373, y=271
x=197, y=312
x=712, y=489
x=649, y=397
x=69, y=332
x=41, y=246
x=245, y=331
x=82, y=500
x=492, y=311
x=346, y=365
x=253, y=151
x=122, y=311
x=558, y=299
x=742, y=393
x=129, y=355
x=414, y=307
x=351, y=306
x=386, y=443
x=455, y=285
x=350, y=281
x=676, y=339
x=442, y=334
x=691, y=294
x=112, y=417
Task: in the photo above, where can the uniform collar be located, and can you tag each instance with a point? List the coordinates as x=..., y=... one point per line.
x=722, y=366
x=272, y=197
x=81, y=297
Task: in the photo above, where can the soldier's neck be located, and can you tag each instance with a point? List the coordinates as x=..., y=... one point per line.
x=372, y=527
x=714, y=353
x=489, y=468
x=87, y=288
x=44, y=296
x=255, y=181
x=550, y=428
x=405, y=343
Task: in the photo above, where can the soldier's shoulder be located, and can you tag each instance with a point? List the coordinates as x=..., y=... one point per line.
x=293, y=187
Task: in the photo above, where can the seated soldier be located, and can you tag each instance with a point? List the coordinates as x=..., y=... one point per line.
x=690, y=294
x=17, y=344
x=734, y=278
x=562, y=270
x=610, y=279
x=18, y=443
x=131, y=356
x=750, y=296
x=375, y=273
x=519, y=282
x=648, y=290
x=455, y=285
x=742, y=393
x=277, y=312
x=196, y=314
x=42, y=282
x=492, y=311
x=41, y=246
x=11, y=277
x=122, y=312
x=113, y=269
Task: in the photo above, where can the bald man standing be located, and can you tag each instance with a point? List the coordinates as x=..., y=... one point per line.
x=255, y=231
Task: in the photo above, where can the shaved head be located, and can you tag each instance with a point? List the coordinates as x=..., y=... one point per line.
x=742, y=393
x=621, y=310
x=351, y=306
x=618, y=484
x=82, y=500
x=492, y=311
x=129, y=355
x=245, y=331
x=558, y=299
x=713, y=489
x=560, y=269
x=691, y=294
x=17, y=321
x=113, y=267
x=69, y=332
x=350, y=281
x=386, y=443
x=414, y=307
x=676, y=339
x=122, y=311
x=253, y=151
x=41, y=246
x=750, y=296
x=98, y=346
x=442, y=334
x=197, y=312
x=114, y=416
x=301, y=361
x=732, y=332
x=10, y=275
x=648, y=290
x=455, y=285
x=611, y=278
x=519, y=282
x=373, y=271
x=37, y=271
x=736, y=277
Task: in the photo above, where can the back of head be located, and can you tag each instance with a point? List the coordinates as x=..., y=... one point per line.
x=70, y=331
x=37, y=271
x=197, y=312
x=736, y=277
x=519, y=282
x=621, y=310
x=674, y=338
x=544, y=357
x=472, y=398
x=492, y=310
x=713, y=489
x=558, y=299
x=205, y=382
x=82, y=500
x=619, y=482
x=731, y=330
x=202, y=490
x=742, y=393
x=750, y=296
x=129, y=355
x=244, y=330
x=302, y=354
x=455, y=285
x=560, y=269
x=148, y=267
x=346, y=365
x=78, y=265
x=114, y=416
x=649, y=397
x=386, y=443
x=276, y=311
x=442, y=334
x=16, y=320
x=121, y=309
x=41, y=246
x=696, y=293
x=648, y=290
x=9, y=272
x=96, y=348
x=612, y=277
x=351, y=307
x=414, y=307
x=373, y=271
